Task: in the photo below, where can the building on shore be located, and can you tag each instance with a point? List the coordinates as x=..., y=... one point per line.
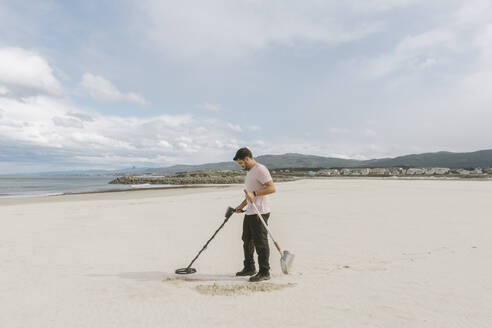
x=463, y=171
x=415, y=171
x=328, y=172
x=441, y=170
x=379, y=171
x=398, y=171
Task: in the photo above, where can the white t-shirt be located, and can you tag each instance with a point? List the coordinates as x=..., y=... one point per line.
x=255, y=180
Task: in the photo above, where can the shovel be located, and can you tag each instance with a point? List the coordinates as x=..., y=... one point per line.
x=286, y=258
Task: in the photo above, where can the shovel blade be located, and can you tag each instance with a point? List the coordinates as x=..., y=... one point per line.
x=286, y=261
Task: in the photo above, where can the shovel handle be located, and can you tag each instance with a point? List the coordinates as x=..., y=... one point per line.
x=266, y=227
x=278, y=247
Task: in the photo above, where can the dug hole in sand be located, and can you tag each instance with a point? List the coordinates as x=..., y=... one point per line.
x=224, y=286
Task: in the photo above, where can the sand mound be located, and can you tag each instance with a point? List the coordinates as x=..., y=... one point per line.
x=240, y=289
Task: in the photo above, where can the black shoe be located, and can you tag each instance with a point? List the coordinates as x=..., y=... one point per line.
x=260, y=276
x=246, y=272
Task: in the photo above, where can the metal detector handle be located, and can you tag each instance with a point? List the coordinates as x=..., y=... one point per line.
x=266, y=227
x=231, y=210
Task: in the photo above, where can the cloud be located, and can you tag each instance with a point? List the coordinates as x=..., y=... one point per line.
x=210, y=107
x=254, y=128
x=25, y=72
x=415, y=53
x=104, y=91
x=234, y=127
x=80, y=138
x=165, y=144
x=4, y=91
x=231, y=29
x=449, y=44
x=338, y=130
x=81, y=116
x=67, y=122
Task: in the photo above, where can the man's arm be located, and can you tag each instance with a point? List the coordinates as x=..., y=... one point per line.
x=269, y=188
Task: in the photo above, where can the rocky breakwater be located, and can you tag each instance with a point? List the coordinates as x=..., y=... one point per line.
x=190, y=178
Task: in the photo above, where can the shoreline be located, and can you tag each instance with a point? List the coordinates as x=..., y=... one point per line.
x=110, y=194
x=194, y=188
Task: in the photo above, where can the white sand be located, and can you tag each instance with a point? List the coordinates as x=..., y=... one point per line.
x=369, y=253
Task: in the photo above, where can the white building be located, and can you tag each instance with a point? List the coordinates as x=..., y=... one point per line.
x=396, y=171
x=441, y=170
x=463, y=171
x=429, y=171
x=415, y=171
x=328, y=172
x=379, y=171
x=346, y=172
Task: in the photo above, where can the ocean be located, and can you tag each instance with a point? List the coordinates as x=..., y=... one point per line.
x=44, y=185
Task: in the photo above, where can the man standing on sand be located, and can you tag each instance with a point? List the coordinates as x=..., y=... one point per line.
x=258, y=183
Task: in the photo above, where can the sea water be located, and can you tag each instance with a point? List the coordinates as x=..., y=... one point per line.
x=43, y=185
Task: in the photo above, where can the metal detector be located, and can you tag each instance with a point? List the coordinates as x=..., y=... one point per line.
x=189, y=269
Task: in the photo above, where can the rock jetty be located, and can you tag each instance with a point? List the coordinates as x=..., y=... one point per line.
x=191, y=178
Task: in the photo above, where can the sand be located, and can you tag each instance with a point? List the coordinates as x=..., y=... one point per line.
x=369, y=253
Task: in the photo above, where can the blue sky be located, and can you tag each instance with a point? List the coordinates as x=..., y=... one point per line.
x=113, y=84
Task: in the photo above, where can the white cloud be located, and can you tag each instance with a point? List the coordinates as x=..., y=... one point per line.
x=254, y=128
x=234, y=127
x=258, y=143
x=210, y=107
x=233, y=28
x=461, y=35
x=4, y=91
x=26, y=72
x=68, y=122
x=338, y=130
x=417, y=52
x=57, y=127
x=103, y=90
x=165, y=144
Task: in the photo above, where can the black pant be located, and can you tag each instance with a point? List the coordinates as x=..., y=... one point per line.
x=255, y=235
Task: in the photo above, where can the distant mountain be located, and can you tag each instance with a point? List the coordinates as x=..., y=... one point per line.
x=482, y=158
x=307, y=161
x=201, y=167
x=271, y=161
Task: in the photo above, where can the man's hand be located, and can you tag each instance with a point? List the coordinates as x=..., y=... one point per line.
x=249, y=195
x=239, y=209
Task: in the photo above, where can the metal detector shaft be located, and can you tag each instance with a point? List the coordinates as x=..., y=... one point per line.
x=204, y=247
x=266, y=227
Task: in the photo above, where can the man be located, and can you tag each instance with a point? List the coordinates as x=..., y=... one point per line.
x=258, y=183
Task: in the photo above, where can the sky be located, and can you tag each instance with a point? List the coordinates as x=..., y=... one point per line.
x=153, y=83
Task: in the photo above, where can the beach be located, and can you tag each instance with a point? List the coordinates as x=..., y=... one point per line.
x=369, y=253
